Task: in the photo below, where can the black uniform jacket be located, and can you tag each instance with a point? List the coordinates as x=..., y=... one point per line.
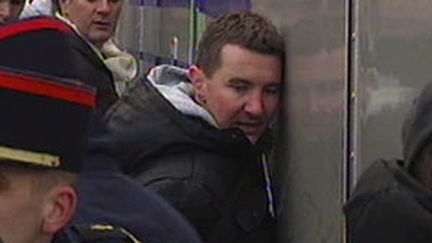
x=94, y=72
x=389, y=206
x=214, y=177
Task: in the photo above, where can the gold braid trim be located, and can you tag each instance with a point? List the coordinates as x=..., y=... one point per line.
x=29, y=157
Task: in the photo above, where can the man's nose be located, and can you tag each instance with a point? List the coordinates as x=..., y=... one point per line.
x=254, y=105
x=103, y=6
x=5, y=11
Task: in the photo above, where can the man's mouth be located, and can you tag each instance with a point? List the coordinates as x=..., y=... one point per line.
x=250, y=127
x=102, y=24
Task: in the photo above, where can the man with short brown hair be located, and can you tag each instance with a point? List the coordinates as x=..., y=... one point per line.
x=199, y=137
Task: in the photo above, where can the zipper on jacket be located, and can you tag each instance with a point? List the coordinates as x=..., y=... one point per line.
x=268, y=187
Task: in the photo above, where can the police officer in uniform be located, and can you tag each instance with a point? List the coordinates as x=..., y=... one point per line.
x=43, y=128
x=43, y=132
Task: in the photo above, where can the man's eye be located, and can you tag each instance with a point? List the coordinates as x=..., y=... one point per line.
x=239, y=87
x=272, y=90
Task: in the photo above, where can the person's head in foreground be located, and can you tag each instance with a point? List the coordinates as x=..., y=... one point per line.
x=239, y=71
x=42, y=130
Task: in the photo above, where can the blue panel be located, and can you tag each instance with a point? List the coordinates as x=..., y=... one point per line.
x=166, y=3
x=215, y=8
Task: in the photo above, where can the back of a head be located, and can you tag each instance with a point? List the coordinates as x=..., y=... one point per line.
x=245, y=29
x=416, y=137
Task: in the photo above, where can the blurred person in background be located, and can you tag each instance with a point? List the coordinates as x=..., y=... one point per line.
x=392, y=201
x=10, y=10
x=95, y=21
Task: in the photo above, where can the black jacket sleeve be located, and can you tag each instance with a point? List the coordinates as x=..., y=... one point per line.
x=191, y=199
x=390, y=217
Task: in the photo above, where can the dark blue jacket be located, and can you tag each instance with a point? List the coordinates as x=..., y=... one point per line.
x=107, y=197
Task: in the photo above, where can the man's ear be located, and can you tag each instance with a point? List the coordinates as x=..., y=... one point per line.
x=59, y=208
x=199, y=83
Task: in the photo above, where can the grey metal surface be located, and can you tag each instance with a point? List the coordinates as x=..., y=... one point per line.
x=148, y=31
x=389, y=62
x=311, y=169
x=393, y=62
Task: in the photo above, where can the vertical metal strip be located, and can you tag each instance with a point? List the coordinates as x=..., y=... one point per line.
x=268, y=187
x=352, y=155
x=141, y=37
x=350, y=133
x=193, y=9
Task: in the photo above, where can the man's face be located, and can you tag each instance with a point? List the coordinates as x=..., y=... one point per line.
x=244, y=92
x=10, y=10
x=20, y=208
x=95, y=19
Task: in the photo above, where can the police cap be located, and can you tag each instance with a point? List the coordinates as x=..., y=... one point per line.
x=44, y=116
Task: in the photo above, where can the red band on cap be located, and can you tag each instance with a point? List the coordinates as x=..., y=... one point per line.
x=38, y=86
x=32, y=25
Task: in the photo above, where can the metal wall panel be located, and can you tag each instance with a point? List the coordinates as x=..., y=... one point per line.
x=311, y=170
x=148, y=33
x=392, y=63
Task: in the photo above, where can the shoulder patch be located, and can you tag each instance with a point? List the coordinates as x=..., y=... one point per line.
x=98, y=233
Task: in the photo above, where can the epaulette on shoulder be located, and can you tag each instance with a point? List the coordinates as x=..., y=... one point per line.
x=98, y=233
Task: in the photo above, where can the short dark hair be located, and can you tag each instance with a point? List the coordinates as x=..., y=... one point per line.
x=45, y=179
x=245, y=29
